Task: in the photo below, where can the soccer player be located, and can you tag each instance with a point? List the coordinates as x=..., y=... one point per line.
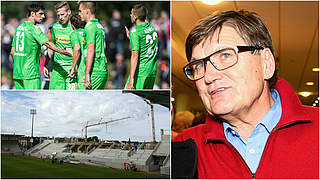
x=26, y=50
x=78, y=46
x=144, y=49
x=96, y=73
x=60, y=36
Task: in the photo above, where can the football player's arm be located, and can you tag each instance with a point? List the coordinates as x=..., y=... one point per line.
x=75, y=57
x=50, y=45
x=12, y=52
x=133, y=66
x=89, y=61
x=13, y=44
x=50, y=53
x=127, y=32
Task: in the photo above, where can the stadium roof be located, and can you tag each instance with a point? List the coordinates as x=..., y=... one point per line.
x=161, y=97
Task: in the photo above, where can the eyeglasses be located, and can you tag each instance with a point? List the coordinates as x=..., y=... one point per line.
x=221, y=60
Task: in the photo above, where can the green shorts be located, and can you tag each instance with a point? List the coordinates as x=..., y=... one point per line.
x=98, y=82
x=142, y=82
x=59, y=79
x=28, y=84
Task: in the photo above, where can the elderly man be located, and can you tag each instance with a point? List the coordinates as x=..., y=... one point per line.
x=256, y=127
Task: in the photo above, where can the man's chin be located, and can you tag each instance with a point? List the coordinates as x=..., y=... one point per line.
x=220, y=109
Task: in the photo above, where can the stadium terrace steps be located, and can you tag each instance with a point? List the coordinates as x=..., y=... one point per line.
x=162, y=148
x=113, y=154
x=38, y=147
x=10, y=147
x=165, y=169
x=53, y=148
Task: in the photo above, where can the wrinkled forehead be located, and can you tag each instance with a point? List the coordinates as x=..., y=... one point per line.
x=225, y=37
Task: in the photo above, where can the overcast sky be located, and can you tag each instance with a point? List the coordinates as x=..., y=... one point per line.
x=64, y=114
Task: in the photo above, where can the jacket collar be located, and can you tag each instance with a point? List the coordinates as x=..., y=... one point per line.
x=292, y=112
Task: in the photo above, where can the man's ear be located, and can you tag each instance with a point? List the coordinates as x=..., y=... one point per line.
x=269, y=63
x=69, y=12
x=32, y=14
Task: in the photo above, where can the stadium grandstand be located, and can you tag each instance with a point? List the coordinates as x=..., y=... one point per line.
x=131, y=156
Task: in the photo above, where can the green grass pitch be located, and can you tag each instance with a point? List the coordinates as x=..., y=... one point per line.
x=30, y=167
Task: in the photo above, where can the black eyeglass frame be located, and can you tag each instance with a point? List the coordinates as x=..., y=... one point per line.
x=205, y=59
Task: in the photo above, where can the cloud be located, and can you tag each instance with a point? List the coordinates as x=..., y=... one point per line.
x=65, y=113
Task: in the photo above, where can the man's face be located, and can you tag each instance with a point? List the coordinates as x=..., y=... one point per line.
x=233, y=90
x=63, y=15
x=38, y=16
x=133, y=17
x=82, y=13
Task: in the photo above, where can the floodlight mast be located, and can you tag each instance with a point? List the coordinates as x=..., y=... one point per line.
x=99, y=123
x=33, y=112
x=152, y=116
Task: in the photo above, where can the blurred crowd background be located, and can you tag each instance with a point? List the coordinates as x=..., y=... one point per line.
x=114, y=16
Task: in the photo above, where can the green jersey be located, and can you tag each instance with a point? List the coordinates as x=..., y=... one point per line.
x=77, y=37
x=27, y=42
x=60, y=36
x=94, y=34
x=145, y=40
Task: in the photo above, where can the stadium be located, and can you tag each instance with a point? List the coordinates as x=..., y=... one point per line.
x=88, y=156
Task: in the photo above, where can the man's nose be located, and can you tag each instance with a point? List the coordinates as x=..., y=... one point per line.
x=211, y=74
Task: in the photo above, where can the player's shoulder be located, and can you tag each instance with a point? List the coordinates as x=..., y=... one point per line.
x=57, y=25
x=99, y=25
x=24, y=26
x=90, y=23
x=146, y=28
x=151, y=28
x=80, y=31
x=73, y=32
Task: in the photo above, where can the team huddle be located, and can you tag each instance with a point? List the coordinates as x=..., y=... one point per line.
x=78, y=42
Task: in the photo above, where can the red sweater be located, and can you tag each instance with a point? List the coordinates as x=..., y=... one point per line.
x=292, y=149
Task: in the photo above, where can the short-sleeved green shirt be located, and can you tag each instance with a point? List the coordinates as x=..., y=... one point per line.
x=27, y=42
x=145, y=40
x=94, y=34
x=77, y=37
x=60, y=36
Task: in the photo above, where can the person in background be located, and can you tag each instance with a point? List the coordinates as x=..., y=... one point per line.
x=182, y=121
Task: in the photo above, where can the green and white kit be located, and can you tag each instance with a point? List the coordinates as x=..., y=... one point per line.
x=77, y=37
x=59, y=80
x=27, y=43
x=94, y=34
x=145, y=40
